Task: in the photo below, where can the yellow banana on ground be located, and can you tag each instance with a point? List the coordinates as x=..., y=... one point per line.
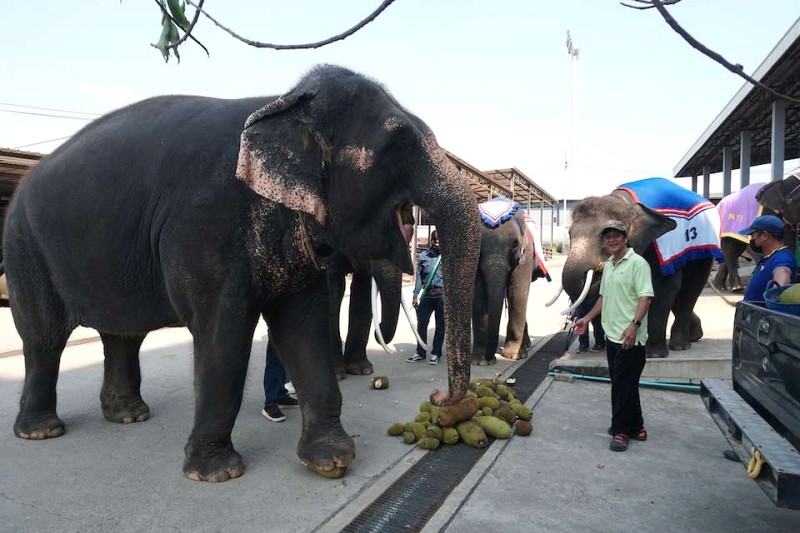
x=755, y=464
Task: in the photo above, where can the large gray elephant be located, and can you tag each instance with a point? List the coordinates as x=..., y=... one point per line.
x=506, y=268
x=209, y=213
x=676, y=292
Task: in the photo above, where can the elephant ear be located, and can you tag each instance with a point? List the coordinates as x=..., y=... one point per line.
x=282, y=157
x=773, y=195
x=648, y=225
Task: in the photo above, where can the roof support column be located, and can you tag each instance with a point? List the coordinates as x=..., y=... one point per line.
x=727, y=164
x=706, y=182
x=745, y=149
x=778, y=138
x=694, y=183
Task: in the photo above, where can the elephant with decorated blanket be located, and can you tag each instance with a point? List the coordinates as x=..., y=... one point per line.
x=674, y=229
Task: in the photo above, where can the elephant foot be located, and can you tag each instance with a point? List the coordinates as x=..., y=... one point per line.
x=327, y=454
x=656, y=351
x=125, y=410
x=484, y=362
x=341, y=372
x=359, y=368
x=677, y=344
x=214, y=462
x=38, y=427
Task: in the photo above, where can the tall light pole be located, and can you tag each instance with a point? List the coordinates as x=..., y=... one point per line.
x=573, y=52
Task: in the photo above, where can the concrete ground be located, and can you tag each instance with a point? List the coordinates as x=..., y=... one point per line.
x=107, y=477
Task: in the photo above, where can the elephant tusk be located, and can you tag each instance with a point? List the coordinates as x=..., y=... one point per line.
x=411, y=323
x=553, y=300
x=378, y=333
x=582, y=297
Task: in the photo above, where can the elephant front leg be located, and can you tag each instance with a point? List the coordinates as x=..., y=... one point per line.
x=222, y=351
x=517, y=339
x=120, y=397
x=355, y=348
x=296, y=326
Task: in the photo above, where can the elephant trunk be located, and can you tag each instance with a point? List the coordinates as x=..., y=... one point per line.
x=583, y=256
x=451, y=204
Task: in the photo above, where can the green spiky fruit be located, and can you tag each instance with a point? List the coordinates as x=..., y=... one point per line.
x=450, y=435
x=472, y=434
x=428, y=443
x=493, y=427
x=395, y=430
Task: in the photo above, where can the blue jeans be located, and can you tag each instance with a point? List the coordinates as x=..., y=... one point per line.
x=428, y=306
x=274, y=377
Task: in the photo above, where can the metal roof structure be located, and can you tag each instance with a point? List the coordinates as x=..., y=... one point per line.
x=751, y=110
x=511, y=183
x=14, y=165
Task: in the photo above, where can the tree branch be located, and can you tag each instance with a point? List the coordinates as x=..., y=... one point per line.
x=372, y=16
x=697, y=45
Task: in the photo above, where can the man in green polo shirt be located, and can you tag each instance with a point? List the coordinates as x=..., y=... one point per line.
x=625, y=292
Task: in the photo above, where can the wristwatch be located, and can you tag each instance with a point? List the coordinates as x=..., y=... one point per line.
x=636, y=323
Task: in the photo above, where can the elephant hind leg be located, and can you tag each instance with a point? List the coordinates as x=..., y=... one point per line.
x=120, y=397
x=44, y=324
x=687, y=327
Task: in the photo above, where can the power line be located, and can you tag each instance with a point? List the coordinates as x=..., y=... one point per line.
x=40, y=142
x=44, y=114
x=49, y=109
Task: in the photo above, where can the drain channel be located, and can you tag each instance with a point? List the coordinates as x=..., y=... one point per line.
x=410, y=502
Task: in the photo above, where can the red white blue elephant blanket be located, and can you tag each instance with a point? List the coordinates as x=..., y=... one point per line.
x=697, y=235
x=737, y=211
x=501, y=209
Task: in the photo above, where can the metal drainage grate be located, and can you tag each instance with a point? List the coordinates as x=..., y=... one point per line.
x=410, y=502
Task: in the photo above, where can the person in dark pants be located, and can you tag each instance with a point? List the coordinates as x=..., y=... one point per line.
x=597, y=326
x=625, y=292
x=429, y=276
x=275, y=393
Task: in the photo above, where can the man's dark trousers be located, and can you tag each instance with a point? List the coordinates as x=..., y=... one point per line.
x=429, y=305
x=625, y=368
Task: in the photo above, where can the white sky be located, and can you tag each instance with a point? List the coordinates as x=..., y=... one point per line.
x=492, y=78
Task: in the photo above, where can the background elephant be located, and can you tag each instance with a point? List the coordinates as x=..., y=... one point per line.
x=389, y=279
x=736, y=211
x=676, y=292
x=209, y=213
x=508, y=264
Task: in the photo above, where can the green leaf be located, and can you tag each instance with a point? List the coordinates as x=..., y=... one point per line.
x=179, y=14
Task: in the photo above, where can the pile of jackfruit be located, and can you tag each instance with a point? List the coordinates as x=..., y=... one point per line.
x=489, y=409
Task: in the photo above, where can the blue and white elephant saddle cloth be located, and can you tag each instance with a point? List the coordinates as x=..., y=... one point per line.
x=737, y=211
x=697, y=235
x=500, y=210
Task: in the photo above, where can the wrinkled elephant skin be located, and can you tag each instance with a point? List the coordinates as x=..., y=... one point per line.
x=208, y=213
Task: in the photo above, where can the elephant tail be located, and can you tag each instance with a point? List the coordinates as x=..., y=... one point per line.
x=714, y=288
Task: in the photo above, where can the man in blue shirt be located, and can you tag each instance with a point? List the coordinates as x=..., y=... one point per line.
x=429, y=275
x=778, y=263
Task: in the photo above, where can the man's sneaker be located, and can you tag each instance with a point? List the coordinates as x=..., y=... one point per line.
x=287, y=401
x=273, y=413
x=619, y=443
x=582, y=349
x=434, y=360
x=598, y=348
x=290, y=388
x=415, y=358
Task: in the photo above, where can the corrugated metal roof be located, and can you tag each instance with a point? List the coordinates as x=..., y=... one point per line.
x=751, y=109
